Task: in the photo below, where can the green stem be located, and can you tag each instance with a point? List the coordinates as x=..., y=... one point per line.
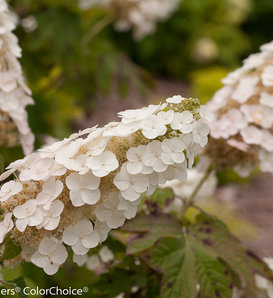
x=199, y=209
x=8, y=284
x=190, y=200
x=97, y=28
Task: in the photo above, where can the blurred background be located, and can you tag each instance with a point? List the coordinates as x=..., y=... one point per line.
x=78, y=70
x=82, y=71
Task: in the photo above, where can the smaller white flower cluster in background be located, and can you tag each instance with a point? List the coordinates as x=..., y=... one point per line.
x=183, y=189
x=93, y=262
x=75, y=191
x=243, y=109
x=139, y=15
x=14, y=94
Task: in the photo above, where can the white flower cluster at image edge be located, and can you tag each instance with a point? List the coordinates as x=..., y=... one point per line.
x=14, y=94
x=248, y=126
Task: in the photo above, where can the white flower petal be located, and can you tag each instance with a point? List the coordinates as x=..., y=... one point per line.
x=90, y=197
x=91, y=240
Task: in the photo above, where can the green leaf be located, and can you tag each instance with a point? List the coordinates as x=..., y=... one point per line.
x=259, y=265
x=153, y=288
x=20, y=282
x=112, y=284
x=11, y=250
x=186, y=265
x=214, y=278
x=216, y=238
x=160, y=199
x=148, y=223
x=129, y=263
x=139, y=279
x=162, y=196
x=151, y=228
x=207, y=255
x=176, y=261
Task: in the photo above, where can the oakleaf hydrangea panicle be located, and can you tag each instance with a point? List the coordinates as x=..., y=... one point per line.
x=242, y=128
x=14, y=94
x=73, y=192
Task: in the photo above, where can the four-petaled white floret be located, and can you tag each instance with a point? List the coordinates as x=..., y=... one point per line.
x=50, y=255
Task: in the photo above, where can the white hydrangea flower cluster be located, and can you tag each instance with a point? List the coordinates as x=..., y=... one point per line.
x=139, y=15
x=14, y=94
x=73, y=192
x=243, y=111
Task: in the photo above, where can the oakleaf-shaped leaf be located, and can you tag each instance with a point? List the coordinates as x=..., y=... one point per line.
x=215, y=237
x=188, y=268
x=150, y=228
x=172, y=257
x=205, y=260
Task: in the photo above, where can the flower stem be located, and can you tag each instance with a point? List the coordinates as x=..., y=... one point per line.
x=8, y=284
x=190, y=200
x=97, y=28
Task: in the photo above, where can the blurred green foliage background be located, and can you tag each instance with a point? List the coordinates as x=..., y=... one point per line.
x=67, y=66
